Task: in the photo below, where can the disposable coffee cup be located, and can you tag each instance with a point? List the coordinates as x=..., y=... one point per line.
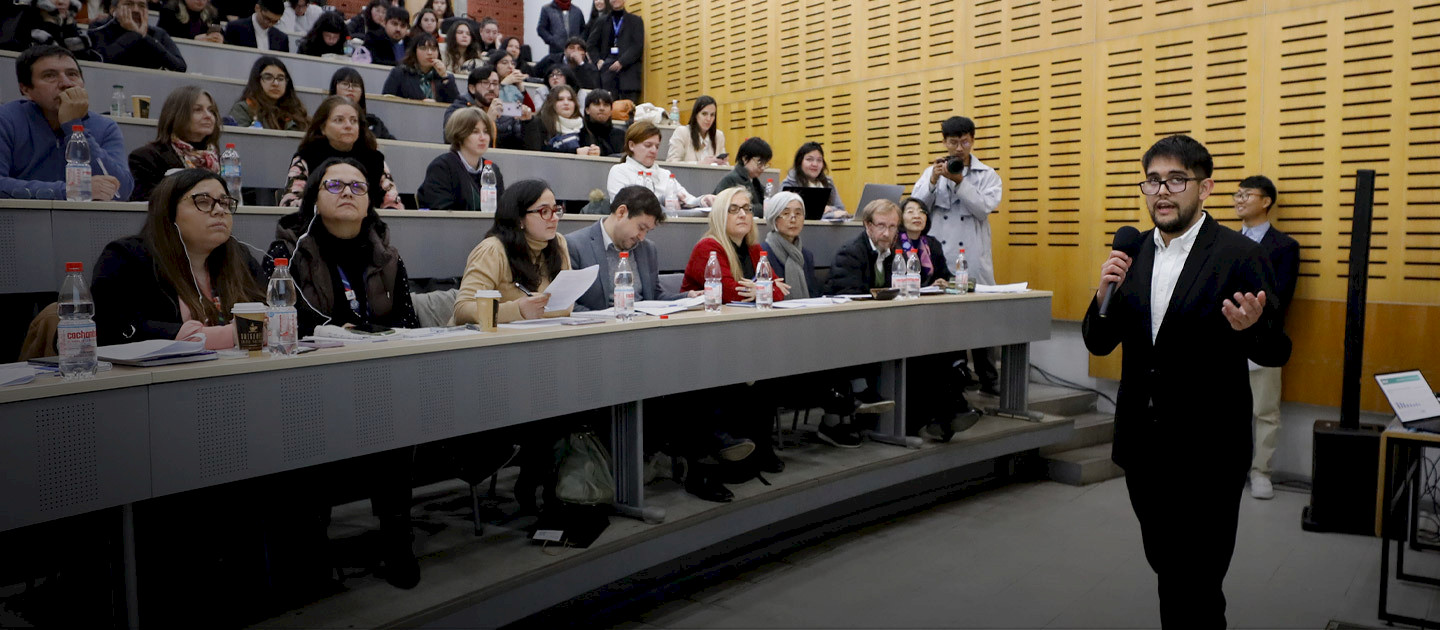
x=250, y=326
x=489, y=310
x=141, y=105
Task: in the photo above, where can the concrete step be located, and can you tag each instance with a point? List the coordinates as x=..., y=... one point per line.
x=1082, y=466
x=1091, y=429
x=1060, y=401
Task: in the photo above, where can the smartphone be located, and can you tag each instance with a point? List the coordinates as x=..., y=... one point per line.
x=723, y=156
x=510, y=109
x=374, y=329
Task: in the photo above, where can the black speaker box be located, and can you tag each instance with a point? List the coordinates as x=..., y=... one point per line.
x=1344, y=471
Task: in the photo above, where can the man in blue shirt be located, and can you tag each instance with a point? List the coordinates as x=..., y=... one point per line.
x=34, y=131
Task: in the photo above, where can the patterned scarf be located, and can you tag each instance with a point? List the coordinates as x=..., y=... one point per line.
x=926, y=268
x=196, y=158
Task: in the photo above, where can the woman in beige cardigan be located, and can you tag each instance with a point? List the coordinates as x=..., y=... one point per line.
x=523, y=249
x=700, y=142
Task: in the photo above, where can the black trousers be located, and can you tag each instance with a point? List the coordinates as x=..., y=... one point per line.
x=985, y=371
x=1188, y=520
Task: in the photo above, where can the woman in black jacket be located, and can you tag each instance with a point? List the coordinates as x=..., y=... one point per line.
x=182, y=274
x=327, y=37
x=187, y=136
x=422, y=76
x=915, y=234
x=348, y=83
x=452, y=181
x=372, y=18
x=599, y=130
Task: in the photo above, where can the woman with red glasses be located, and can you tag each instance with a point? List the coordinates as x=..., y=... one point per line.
x=519, y=257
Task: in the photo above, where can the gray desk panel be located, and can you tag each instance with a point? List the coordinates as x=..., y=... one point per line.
x=27, y=261
x=74, y=454
x=223, y=60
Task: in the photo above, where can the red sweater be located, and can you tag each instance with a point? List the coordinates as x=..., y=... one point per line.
x=695, y=270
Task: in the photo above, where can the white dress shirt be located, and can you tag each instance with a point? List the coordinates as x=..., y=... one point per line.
x=262, y=35
x=627, y=173
x=1169, y=262
x=612, y=261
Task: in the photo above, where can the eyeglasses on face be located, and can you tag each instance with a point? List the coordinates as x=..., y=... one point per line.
x=884, y=227
x=334, y=186
x=209, y=204
x=1174, y=184
x=1242, y=196
x=739, y=209
x=272, y=78
x=346, y=85
x=547, y=212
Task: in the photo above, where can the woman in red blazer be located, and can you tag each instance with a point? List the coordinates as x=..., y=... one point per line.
x=732, y=239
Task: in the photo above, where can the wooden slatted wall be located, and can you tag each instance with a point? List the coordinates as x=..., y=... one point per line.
x=1067, y=95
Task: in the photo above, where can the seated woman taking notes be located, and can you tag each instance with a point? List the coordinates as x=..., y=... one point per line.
x=731, y=237
x=519, y=257
x=182, y=273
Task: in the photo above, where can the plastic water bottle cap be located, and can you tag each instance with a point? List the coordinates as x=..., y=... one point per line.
x=487, y=162
x=769, y=181
x=74, y=267
x=897, y=251
x=624, y=254
x=229, y=145
x=282, y=262
x=77, y=128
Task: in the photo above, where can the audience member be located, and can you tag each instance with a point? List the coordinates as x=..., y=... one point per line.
x=785, y=214
x=864, y=262
x=462, y=49
x=810, y=171
x=452, y=181
x=560, y=128
x=44, y=23
x=915, y=234
x=482, y=89
x=701, y=141
x=421, y=75
x=269, y=98
x=619, y=45
x=387, y=45
x=192, y=19
x=638, y=168
x=300, y=17
x=326, y=37
x=337, y=132
x=128, y=40
x=520, y=54
x=512, y=80
x=559, y=22
x=426, y=22
x=731, y=237
x=349, y=83
x=34, y=131
x=750, y=163
x=258, y=30
x=519, y=257
x=634, y=213
x=183, y=273
x=489, y=35
x=575, y=62
x=598, y=9
x=442, y=10
x=603, y=133
x=371, y=18
x=187, y=137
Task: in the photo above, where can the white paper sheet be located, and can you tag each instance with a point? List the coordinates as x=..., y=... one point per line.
x=1018, y=287
x=569, y=286
x=551, y=321
x=17, y=374
x=931, y=289
x=810, y=302
x=151, y=349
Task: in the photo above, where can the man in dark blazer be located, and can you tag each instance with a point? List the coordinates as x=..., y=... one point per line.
x=559, y=21
x=1190, y=307
x=243, y=31
x=1253, y=203
x=634, y=212
x=864, y=263
x=387, y=45
x=617, y=47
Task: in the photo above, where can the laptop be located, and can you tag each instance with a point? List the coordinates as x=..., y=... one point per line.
x=871, y=192
x=1412, y=398
x=815, y=200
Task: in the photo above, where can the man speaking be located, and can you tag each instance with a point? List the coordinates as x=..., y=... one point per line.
x=1192, y=301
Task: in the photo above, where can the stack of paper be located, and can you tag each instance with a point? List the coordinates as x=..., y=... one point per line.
x=551, y=321
x=155, y=352
x=1018, y=287
x=810, y=302
x=568, y=286
x=348, y=336
x=16, y=374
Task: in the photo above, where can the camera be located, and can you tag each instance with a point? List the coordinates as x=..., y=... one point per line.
x=954, y=165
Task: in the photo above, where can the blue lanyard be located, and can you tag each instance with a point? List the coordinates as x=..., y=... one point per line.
x=349, y=292
x=615, y=23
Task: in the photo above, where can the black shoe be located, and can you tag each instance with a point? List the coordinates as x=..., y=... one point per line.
x=402, y=570
x=838, y=401
x=989, y=389
x=733, y=449
x=871, y=402
x=964, y=421
x=937, y=432
x=768, y=461
x=841, y=435
x=701, y=482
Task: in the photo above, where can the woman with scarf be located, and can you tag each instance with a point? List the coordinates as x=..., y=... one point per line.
x=561, y=128
x=422, y=76
x=187, y=136
x=915, y=234
x=785, y=214
x=270, y=99
x=338, y=131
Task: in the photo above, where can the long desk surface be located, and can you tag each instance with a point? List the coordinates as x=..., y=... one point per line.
x=130, y=434
x=223, y=60
x=38, y=237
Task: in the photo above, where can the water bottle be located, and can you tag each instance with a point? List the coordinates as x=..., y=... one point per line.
x=672, y=200
x=487, y=188
x=898, y=274
x=282, y=324
x=769, y=188
x=77, y=166
x=764, y=284
x=117, y=101
x=675, y=112
x=230, y=169
x=624, y=289
x=76, y=332
x=962, y=273
x=714, y=290
x=912, y=264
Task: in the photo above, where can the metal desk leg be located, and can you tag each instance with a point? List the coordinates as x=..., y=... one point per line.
x=627, y=429
x=890, y=429
x=132, y=590
x=1015, y=380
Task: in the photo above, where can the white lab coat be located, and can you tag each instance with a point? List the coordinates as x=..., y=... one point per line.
x=961, y=214
x=627, y=173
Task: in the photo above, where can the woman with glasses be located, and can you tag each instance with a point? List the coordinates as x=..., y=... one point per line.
x=519, y=257
x=750, y=163
x=785, y=214
x=187, y=136
x=732, y=238
x=915, y=234
x=422, y=76
x=638, y=168
x=348, y=83
x=269, y=98
x=338, y=132
x=182, y=274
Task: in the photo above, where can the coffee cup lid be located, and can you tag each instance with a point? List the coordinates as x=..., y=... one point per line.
x=248, y=307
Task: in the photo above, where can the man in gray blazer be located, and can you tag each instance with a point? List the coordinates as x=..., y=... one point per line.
x=633, y=213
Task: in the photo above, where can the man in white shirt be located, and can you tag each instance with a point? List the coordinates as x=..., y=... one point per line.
x=961, y=192
x=1190, y=306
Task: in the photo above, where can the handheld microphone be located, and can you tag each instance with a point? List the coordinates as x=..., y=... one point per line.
x=1128, y=240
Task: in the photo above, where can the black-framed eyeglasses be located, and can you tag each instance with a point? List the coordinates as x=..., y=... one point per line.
x=346, y=85
x=738, y=209
x=547, y=212
x=357, y=188
x=1173, y=184
x=272, y=78
x=209, y=204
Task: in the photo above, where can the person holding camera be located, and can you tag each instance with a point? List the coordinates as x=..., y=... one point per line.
x=962, y=192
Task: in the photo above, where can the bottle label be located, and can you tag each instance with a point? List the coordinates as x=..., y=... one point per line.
x=713, y=292
x=76, y=338
x=77, y=178
x=624, y=300
x=764, y=291
x=281, y=330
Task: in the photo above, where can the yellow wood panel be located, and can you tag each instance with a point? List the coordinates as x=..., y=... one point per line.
x=1120, y=18
x=1000, y=28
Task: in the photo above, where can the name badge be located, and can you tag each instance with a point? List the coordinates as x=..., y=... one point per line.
x=615, y=50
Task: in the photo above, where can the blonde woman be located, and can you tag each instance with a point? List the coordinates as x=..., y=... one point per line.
x=732, y=238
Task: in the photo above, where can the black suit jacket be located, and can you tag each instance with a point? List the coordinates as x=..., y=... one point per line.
x=1184, y=402
x=853, y=270
x=122, y=47
x=242, y=33
x=382, y=48
x=1284, y=255
x=632, y=49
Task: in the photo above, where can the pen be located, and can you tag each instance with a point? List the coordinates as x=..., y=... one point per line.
x=523, y=289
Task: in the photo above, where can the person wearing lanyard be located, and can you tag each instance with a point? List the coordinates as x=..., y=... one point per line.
x=621, y=48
